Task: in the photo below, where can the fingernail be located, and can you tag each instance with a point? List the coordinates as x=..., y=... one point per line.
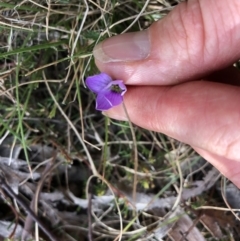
x=114, y=115
x=126, y=47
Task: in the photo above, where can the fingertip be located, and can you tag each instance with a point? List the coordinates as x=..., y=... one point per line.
x=116, y=113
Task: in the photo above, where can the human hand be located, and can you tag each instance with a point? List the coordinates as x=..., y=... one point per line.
x=162, y=67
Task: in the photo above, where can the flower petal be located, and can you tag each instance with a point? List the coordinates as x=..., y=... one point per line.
x=97, y=83
x=108, y=99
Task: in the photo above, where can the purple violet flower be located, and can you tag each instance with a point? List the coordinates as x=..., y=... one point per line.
x=109, y=92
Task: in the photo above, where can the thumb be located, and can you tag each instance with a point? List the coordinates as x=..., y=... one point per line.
x=198, y=37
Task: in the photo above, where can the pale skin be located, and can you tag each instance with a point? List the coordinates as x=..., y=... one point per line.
x=186, y=86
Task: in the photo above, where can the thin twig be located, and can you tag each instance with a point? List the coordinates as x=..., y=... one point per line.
x=90, y=212
x=11, y=193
